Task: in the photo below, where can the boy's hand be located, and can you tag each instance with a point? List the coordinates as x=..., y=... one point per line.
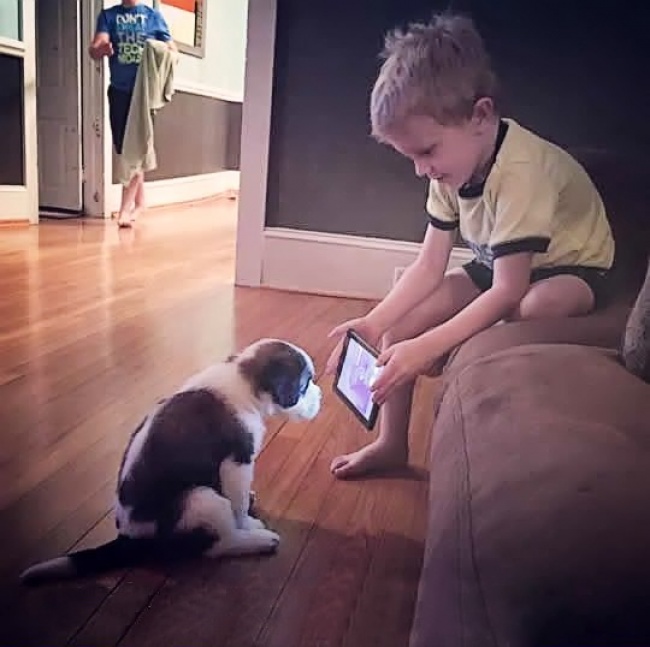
x=402, y=363
x=361, y=325
x=105, y=49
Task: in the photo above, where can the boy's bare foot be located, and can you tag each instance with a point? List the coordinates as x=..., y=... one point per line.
x=376, y=456
x=124, y=220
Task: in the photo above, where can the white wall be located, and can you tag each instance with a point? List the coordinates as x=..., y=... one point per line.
x=222, y=69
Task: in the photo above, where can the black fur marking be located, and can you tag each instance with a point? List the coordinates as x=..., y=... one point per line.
x=126, y=552
x=190, y=436
x=279, y=370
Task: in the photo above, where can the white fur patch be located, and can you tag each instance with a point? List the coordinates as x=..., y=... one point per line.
x=308, y=406
x=236, y=479
x=204, y=509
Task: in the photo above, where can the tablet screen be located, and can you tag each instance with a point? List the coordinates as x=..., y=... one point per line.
x=356, y=373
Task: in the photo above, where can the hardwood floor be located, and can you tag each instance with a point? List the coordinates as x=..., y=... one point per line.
x=95, y=325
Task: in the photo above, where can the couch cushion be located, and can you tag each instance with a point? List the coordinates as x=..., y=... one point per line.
x=539, y=522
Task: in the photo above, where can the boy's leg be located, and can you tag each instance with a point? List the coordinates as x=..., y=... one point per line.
x=132, y=200
x=390, y=449
x=128, y=198
x=563, y=295
x=139, y=197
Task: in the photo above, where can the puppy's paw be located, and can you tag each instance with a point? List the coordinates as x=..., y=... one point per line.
x=268, y=540
x=255, y=523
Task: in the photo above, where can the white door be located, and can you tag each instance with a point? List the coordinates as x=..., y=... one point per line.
x=59, y=104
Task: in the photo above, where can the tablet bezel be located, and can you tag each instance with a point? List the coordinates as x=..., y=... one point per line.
x=368, y=423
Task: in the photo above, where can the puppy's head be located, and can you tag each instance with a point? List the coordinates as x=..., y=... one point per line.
x=282, y=374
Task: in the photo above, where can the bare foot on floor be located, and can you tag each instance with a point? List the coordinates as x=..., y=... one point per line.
x=124, y=220
x=371, y=458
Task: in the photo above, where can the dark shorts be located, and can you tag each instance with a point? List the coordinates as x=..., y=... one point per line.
x=594, y=277
x=119, y=102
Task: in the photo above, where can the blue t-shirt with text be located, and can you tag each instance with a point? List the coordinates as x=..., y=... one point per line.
x=129, y=28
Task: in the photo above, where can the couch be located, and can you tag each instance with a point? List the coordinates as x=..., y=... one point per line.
x=539, y=495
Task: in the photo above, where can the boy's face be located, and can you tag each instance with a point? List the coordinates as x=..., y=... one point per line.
x=450, y=154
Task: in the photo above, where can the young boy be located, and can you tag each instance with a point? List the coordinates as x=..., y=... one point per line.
x=121, y=34
x=528, y=211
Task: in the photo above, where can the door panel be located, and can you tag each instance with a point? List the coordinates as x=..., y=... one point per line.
x=58, y=105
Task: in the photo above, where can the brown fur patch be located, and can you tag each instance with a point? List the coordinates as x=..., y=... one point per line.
x=277, y=369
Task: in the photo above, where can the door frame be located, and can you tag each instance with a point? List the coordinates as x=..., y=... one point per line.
x=21, y=202
x=255, y=141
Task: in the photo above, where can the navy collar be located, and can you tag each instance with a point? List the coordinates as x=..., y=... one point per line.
x=475, y=190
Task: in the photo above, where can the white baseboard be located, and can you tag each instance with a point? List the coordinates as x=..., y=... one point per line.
x=203, y=90
x=15, y=205
x=180, y=189
x=337, y=264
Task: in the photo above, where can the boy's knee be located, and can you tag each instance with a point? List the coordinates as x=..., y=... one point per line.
x=532, y=306
x=562, y=296
x=393, y=336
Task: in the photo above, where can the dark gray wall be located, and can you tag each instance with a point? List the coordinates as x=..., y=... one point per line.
x=195, y=134
x=574, y=71
x=12, y=167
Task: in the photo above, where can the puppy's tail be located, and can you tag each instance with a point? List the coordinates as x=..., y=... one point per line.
x=121, y=552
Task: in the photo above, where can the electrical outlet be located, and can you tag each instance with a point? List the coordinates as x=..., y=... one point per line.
x=397, y=273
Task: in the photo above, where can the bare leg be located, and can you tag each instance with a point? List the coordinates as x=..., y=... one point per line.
x=128, y=198
x=559, y=296
x=139, y=198
x=390, y=449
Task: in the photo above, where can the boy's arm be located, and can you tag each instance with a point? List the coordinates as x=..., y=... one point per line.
x=101, y=45
x=510, y=284
x=419, y=280
x=405, y=360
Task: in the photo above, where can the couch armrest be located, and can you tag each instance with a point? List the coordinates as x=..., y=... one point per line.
x=603, y=329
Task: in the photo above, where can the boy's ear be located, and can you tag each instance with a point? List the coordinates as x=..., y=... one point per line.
x=483, y=111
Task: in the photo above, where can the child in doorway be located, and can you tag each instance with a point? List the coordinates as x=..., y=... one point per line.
x=536, y=224
x=121, y=33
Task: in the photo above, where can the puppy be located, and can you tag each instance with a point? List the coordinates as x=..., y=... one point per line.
x=184, y=483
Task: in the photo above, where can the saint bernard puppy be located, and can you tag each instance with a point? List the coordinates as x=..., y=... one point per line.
x=184, y=484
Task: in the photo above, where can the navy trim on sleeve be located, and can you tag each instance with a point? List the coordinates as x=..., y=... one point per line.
x=445, y=225
x=538, y=244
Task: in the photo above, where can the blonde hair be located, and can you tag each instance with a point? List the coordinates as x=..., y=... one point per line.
x=439, y=69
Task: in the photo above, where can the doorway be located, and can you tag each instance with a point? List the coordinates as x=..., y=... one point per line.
x=59, y=108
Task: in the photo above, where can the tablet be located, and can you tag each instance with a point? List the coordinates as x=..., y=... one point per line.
x=356, y=371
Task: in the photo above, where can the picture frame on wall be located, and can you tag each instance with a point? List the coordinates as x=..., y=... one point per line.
x=186, y=20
